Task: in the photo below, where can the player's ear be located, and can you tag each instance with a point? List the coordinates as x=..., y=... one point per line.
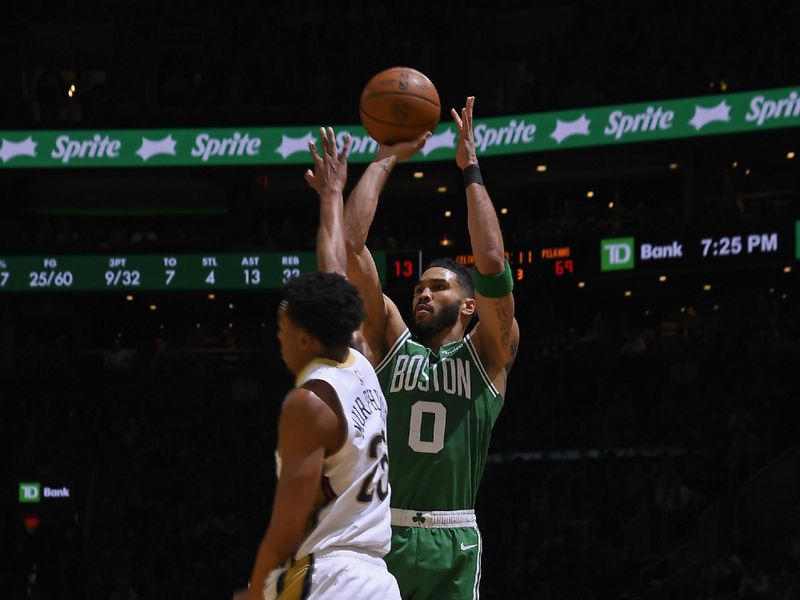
x=468, y=307
x=305, y=339
x=310, y=344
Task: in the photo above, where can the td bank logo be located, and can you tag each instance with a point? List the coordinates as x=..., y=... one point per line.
x=30, y=492
x=616, y=254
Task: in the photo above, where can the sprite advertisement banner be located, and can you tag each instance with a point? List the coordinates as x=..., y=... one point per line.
x=535, y=132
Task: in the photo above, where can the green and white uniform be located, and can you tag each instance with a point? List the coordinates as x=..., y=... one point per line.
x=441, y=413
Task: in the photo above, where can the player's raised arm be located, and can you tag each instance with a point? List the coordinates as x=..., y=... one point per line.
x=383, y=323
x=497, y=334
x=329, y=178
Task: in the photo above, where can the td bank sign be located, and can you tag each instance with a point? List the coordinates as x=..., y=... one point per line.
x=619, y=254
x=33, y=492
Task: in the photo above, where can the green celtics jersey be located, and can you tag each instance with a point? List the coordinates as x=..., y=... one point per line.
x=441, y=413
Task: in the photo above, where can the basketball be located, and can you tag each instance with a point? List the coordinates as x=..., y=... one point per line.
x=398, y=105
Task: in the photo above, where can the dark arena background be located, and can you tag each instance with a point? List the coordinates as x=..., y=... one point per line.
x=645, y=164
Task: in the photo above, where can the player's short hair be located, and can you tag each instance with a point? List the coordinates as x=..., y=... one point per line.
x=324, y=304
x=462, y=272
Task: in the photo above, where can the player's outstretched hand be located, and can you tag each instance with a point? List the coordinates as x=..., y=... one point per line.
x=330, y=169
x=403, y=150
x=465, y=153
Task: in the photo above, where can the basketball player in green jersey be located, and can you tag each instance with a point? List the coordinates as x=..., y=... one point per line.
x=444, y=384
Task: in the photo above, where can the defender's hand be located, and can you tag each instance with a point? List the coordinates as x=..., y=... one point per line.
x=330, y=169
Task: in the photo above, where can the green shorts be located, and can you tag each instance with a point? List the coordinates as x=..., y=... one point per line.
x=435, y=560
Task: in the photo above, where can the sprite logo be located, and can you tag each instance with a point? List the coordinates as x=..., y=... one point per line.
x=616, y=254
x=513, y=133
x=29, y=492
x=207, y=146
x=653, y=118
x=96, y=147
x=762, y=110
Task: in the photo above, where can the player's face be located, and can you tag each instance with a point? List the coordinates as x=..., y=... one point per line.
x=290, y=336
x=437, y=301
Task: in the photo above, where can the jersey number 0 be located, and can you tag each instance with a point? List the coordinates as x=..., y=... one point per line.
x=415, y=441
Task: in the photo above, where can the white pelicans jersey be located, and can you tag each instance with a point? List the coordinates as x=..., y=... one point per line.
x=353, y=512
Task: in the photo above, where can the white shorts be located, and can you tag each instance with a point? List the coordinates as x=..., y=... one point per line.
x=336, y=575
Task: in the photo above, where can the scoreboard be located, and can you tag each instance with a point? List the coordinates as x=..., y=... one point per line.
x=160, y=272
x=538, y=261
x=579, y=259
x=635, y=255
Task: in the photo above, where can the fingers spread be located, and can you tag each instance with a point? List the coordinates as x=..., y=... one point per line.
x=345, y=147
x=325, y=141
x=329, y=143
x=313, y=149
x=468, y=111
x=310, y=179
x=456, y=118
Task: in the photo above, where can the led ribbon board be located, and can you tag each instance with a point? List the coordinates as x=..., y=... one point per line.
x=516, y=134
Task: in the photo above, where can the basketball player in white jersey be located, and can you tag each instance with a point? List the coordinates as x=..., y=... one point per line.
x=330, y=523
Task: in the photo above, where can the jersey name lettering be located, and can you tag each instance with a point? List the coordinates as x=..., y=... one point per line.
x=452, y=375
x=365, y=405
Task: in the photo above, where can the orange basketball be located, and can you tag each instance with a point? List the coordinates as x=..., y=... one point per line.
x=398, y=105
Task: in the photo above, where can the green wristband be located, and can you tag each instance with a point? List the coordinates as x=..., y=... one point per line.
x=493, y=286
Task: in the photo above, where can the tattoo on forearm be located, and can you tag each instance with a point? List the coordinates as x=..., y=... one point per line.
x=384, y=164
x=513, y=349
x=506, y=324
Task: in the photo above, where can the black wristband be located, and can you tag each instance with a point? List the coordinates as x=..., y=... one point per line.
x=472, y=174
